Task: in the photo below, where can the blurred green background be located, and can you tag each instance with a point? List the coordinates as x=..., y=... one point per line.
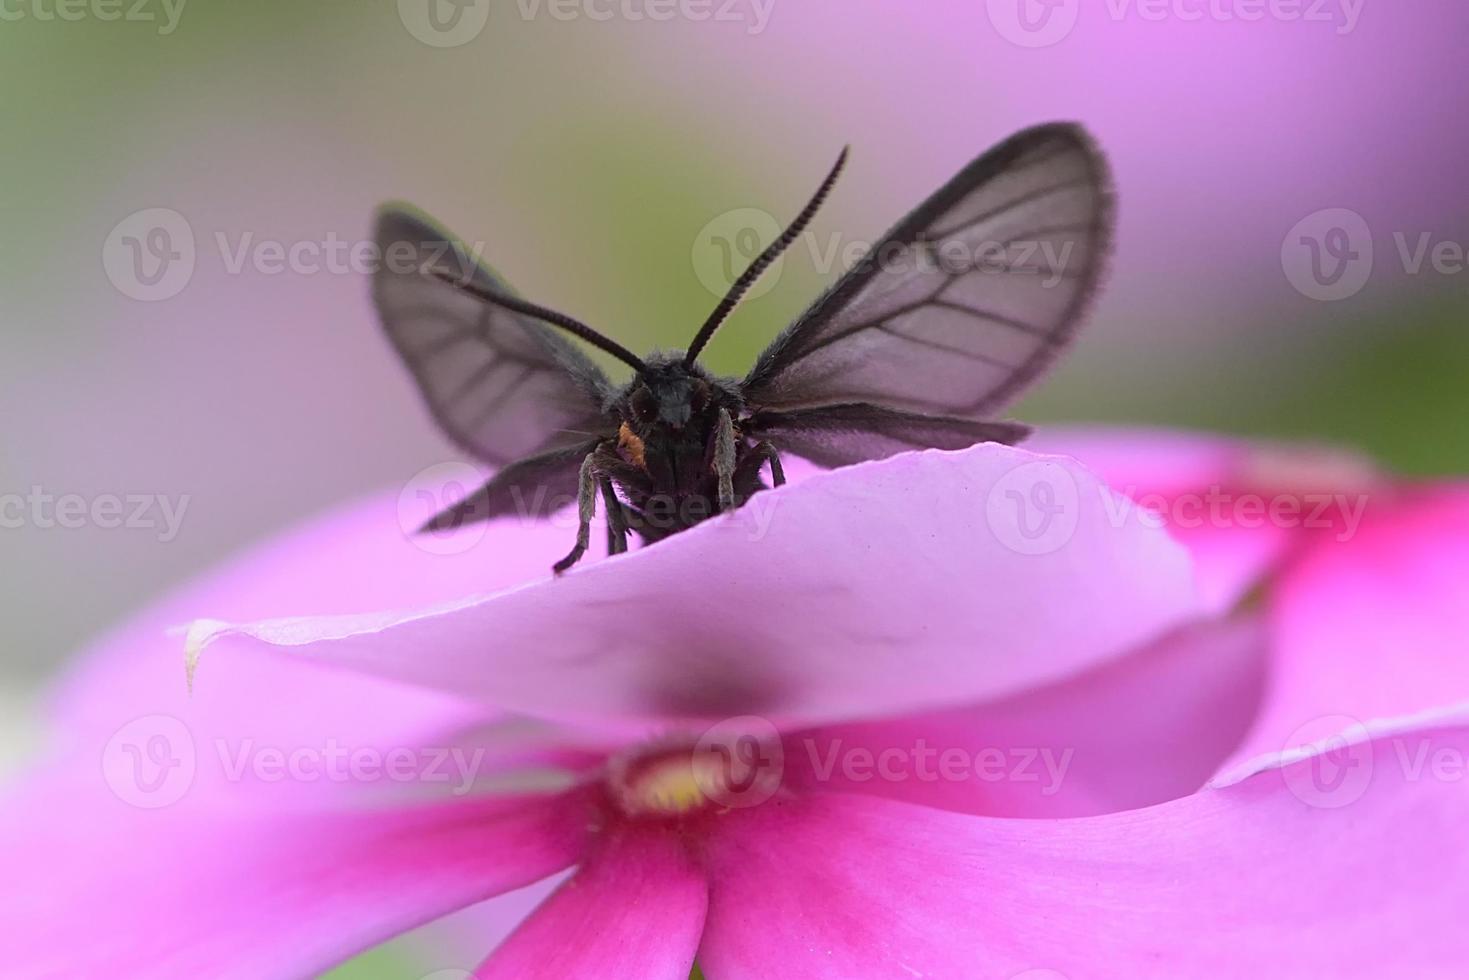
x=595, y=148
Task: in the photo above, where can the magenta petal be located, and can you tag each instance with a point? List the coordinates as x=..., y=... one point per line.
x=1142, y=729
x=1371, y=625
x=458, y=941
x=97, y=887
x=1230, y=561
x=922, y=580
x=634, y=909
x=1266, y=878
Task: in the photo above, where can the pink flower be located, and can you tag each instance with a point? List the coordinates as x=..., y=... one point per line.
x=290, y=814
x=1363, y=579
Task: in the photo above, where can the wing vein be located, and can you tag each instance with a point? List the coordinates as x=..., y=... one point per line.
x=521, y=377
x=972, y=355
x=1023, y=199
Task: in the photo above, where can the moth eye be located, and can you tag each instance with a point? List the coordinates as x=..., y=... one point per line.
x=644, y=405
x=700, y=397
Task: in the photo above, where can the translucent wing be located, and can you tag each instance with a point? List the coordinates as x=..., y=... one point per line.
x=837, y=435
x=967, y=300
x=532, y=488
x=500, y=385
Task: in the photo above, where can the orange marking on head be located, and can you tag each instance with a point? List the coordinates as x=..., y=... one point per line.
x=631, y=446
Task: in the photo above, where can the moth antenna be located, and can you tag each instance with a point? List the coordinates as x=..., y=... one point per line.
x=763, y=260
x=569, y=324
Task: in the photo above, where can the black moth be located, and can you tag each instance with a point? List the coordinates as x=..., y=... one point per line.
x=946, y=319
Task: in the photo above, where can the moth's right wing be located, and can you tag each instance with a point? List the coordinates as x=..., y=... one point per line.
x=839, y=435
x=500, y=385
x=967, y=300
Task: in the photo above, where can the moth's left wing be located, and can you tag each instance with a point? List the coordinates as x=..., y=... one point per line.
x=500, y=385
x=967, y=300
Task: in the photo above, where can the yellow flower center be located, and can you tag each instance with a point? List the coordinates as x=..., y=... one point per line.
x=679, y=777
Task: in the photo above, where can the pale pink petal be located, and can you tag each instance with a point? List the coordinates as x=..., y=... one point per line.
x=1265, y=878
x=354, y=561
x=634, y=909
x=96, y=886
x=1148, y=727
x=1197, y=486
x=922, y=580
x=1140, y=461
x=360, y=558
x=1371, y=624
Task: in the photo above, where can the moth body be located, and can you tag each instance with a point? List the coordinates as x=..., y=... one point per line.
x=902, y=353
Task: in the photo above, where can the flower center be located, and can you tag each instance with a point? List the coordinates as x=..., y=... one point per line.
x=681, y=776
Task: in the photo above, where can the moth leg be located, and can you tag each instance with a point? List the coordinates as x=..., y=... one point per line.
x=586, y=508
x=620, y=471
x=747, y=480
x=724, y=460
x=638, y=522
x=616, y=519
x=763, y=451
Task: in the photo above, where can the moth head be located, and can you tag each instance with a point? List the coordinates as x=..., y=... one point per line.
x=670, y=397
